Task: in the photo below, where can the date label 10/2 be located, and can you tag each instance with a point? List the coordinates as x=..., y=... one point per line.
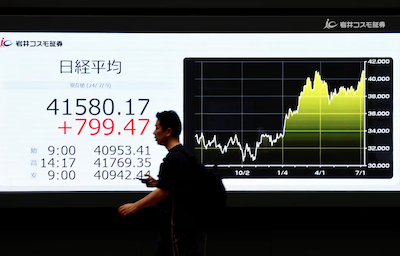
x=242, y=172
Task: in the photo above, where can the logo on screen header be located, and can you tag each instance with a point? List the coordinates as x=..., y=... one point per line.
x=329, y=24
x=5, y=43
x=34, y=43
x=30, y=43
x=346, y=24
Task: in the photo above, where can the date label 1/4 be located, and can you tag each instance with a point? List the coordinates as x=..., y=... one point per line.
x=282, y=172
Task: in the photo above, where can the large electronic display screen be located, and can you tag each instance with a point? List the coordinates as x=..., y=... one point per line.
x=306, y=108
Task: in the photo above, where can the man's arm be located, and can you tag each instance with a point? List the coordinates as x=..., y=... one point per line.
x=151, y=199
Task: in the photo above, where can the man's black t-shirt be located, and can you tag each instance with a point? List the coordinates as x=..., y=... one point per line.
x=176, y=175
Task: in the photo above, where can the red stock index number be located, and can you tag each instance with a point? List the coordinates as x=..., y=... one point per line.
x=108, y=125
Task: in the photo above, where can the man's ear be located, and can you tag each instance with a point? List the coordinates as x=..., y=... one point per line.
x=168, y=132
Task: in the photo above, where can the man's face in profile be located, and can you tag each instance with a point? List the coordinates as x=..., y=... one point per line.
x=159, y=134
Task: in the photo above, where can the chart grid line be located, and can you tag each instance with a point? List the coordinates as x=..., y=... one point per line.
x=273, y=140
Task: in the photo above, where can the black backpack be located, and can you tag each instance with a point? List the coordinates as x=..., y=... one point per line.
x=210, y=195
x=207, y=194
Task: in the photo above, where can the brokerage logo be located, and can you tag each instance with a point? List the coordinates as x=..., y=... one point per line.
x=348, y=24
x=329, y=24
x=5, y=43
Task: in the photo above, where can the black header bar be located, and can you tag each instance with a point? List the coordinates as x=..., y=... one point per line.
x=200, y=24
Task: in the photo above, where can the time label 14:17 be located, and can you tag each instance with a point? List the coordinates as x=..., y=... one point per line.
x=95, y=107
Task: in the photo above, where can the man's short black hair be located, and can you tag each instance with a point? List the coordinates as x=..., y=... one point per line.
x=170, y=119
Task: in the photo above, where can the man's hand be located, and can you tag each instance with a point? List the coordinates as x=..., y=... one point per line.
x=127, y=209
x=150, y=181
x=153, y=198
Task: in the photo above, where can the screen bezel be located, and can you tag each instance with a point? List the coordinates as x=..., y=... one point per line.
x=195, y=24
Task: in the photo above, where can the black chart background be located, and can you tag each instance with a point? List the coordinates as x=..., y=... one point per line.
x=262, y=86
